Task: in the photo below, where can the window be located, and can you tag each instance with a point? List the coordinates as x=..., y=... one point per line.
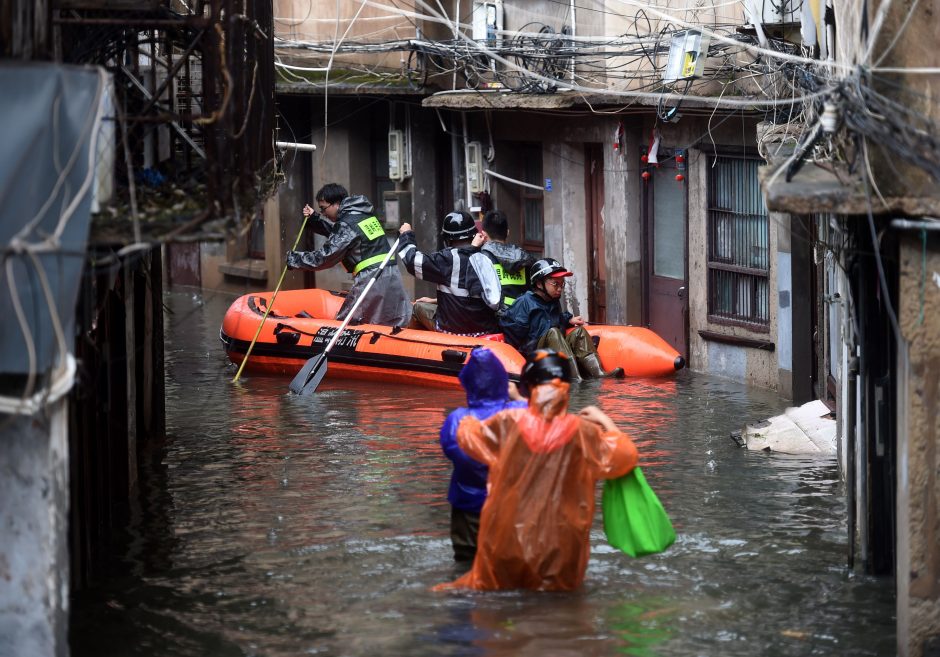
x=738, y=254
x=532, y=211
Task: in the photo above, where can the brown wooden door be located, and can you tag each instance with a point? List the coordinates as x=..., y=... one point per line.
x=666, y=204
x=594, y=202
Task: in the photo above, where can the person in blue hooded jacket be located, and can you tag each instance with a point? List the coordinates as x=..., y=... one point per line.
x=486, y=382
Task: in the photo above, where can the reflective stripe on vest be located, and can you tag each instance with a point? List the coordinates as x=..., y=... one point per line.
x=371, y=227
x=368, y=262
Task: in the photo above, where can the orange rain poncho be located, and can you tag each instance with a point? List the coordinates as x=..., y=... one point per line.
x=544, y=465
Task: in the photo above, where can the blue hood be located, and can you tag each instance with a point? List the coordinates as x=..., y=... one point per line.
x=484, y=378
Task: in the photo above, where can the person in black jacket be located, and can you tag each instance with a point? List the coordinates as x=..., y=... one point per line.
x=356, y=238
x=468, y=291
x=536, y=321
x=509, y=260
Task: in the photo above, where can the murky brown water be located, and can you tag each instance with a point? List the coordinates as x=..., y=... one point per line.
x=276, y=525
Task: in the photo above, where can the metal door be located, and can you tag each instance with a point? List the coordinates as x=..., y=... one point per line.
x=666, y=204
x=594, y=207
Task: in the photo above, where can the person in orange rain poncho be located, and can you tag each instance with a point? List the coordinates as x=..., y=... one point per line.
x=544, y=465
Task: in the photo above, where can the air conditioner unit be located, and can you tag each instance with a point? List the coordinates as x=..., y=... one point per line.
x=396, y=155
x=687, y=55
x=474, y=163
x=487, y=20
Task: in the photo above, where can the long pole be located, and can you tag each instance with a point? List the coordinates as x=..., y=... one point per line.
x=349, y=315
x=270, y=305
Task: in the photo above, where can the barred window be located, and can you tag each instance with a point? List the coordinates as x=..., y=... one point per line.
x=532, y=199
x=738, y=254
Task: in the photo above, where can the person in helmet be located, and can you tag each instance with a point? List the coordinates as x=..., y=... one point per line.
x=536, y=320
x=355, y=238
x=509, y=260
x=468, y=291
x=544, y=464
x=486, y=383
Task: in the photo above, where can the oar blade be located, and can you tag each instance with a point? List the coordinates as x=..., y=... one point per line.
x=316, y=376
x=307, y=372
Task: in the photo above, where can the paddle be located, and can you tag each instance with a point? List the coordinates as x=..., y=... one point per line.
x=270, y=305
x=313, y=371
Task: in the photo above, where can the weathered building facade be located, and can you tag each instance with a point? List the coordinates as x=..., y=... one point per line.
x=554, y=121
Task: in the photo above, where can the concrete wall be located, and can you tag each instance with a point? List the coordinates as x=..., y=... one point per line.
x=310, y=20
x=34, y=504
x=623, y=230
x=429, y=198
x=343, y=156
x=918, y=494
x=316, y=21
x=565, y=227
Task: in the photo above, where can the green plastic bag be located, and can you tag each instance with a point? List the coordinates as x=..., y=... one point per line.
x=634, y=518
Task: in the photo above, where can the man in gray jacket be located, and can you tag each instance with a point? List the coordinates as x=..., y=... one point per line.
x=355, y=238
x=509, y=260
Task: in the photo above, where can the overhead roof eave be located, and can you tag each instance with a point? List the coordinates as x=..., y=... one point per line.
x=832, y=188
x=497, y=99
x=347, y=89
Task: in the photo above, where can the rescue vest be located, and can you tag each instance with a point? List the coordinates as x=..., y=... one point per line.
x=373, y=246
x=514, y=285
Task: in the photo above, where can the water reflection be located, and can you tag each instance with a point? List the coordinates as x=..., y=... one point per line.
x=271, y=524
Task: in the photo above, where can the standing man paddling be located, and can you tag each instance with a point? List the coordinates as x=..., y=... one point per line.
x=355, y=238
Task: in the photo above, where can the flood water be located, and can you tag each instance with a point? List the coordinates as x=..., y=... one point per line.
x=270, y=524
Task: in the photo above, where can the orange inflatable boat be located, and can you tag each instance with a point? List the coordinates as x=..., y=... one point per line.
x=301, y=323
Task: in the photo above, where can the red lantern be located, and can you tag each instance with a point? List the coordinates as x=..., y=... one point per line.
x=680, y=177
x=644, y=158
x=645, y=175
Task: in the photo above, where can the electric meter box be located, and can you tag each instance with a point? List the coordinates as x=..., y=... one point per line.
x=474, y=162
x=687, y=55
x=396, y=155
x=487, y=20
x=396, y=208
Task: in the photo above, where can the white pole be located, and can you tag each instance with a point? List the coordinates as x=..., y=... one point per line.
x=300, y=147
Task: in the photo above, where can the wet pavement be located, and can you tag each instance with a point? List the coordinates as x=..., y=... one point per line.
x=270, y=524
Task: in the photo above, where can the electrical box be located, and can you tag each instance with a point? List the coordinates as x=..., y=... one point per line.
x=687, y=55
x=487, y=20
x=474, y=163
x=396, y=207
x=396, y=155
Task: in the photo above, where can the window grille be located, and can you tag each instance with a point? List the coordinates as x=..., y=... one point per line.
x=738, y=253
x=532, y=201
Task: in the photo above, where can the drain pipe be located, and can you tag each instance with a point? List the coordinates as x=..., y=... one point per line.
x=902, y=556
x=457, y=164
x=851, y=369
x=466, y=169
x=300, y=147
x=521, y=183
x=861, y=456
x=911, y=224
